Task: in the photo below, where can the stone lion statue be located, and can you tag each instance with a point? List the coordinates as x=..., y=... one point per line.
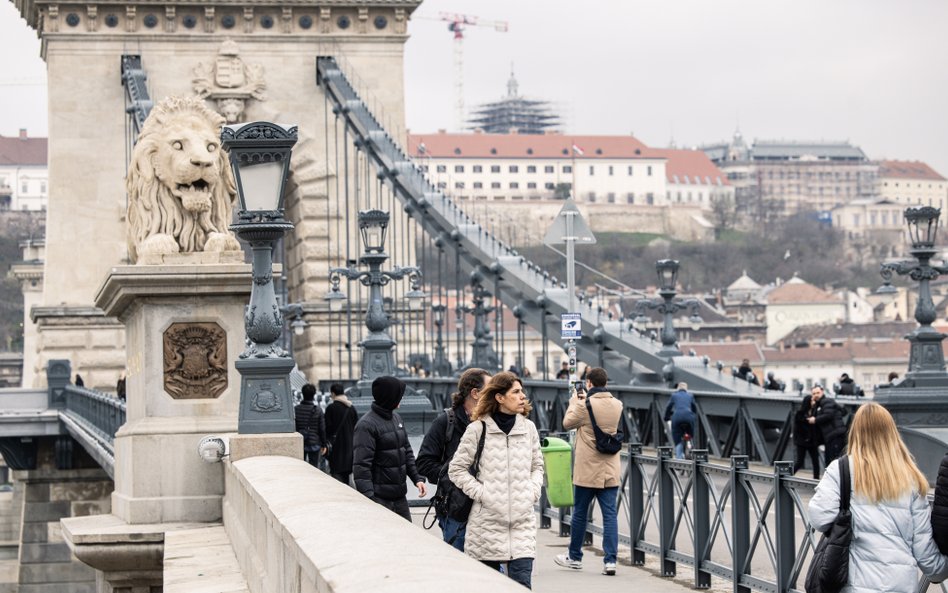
x=181, y=190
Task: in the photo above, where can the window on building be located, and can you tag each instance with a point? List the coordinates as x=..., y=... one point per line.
x=495, y=168
x=611, y=197
x=548, y=169
x=649, y=198
x=567, y=168
x=24, y=187
x=43, y=188
x=514, y=185
x=531, y=169
x=495, y=185
x=442, y=185
x=610, y=169
x=458, y=185
x=630, y=170
x=477, y=169
x=424, y=168
x=549, y=185
x=630, y=198
x=592, y=170
x=478, y=185
x=648, y=170
x=591, y=196
x=442, y=169
x=513, y=169
x=458, y=168
x=532, y=185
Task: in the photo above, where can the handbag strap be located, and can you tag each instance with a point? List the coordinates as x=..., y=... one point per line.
x=592, y=417
x=845, y=489
x=476, y=466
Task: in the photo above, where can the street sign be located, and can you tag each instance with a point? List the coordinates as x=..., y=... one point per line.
x=560, y=232
x=571, y=326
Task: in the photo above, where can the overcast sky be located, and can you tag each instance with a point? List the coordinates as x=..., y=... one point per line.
x=870, y=71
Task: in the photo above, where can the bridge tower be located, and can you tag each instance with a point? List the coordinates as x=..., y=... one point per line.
x=250, y=60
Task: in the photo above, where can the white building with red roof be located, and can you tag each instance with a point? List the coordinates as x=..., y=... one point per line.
x=908, y=183
x=796, y=302
x=599, y=169
x=23, y=172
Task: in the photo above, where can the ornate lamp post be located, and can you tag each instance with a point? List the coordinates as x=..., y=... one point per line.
x=441, y=367
x=667, y=270
x=482, y=349
x=926, y=359
x=378, y=357
x=260, y=158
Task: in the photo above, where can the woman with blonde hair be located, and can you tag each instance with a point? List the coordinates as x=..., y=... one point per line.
x=891, y=518
x=502, y=526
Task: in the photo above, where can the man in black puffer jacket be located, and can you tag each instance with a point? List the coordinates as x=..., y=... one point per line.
x=382, y=456
x=828, y=419
x=940, y=508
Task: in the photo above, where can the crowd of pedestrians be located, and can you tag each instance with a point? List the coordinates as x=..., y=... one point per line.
x=483, y=454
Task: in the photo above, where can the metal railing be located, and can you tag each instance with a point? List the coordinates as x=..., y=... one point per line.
x=732, y=522
x=93, y=418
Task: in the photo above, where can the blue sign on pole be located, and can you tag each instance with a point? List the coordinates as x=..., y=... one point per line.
x=571, y=326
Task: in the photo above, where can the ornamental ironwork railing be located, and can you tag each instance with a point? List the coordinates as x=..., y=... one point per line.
x=92, y=418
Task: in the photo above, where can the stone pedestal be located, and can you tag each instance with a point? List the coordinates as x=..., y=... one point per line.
x=184, y=330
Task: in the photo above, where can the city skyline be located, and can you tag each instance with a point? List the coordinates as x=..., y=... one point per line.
x=862, y=71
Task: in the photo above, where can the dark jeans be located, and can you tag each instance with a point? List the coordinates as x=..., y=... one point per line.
x=344, y=478
x=399, y=507
x=814, y=453
x=582, y=497
x=453, y=532
x=312, y=457
x=519, y=569
x=834, y=449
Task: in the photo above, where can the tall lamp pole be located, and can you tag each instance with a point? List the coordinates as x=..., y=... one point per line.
x=440, y=367
x=482, y=349
x=926, y=358
x=260, y=158
x=667, y=270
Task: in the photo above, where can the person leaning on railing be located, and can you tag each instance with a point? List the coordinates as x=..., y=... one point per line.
x=891, y=519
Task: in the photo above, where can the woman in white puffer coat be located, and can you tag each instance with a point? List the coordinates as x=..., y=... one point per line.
x=892, y=531
x=502, y=527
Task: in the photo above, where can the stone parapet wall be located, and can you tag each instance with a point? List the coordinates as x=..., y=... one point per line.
x=311, y=533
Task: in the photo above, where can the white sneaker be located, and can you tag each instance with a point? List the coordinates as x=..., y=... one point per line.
x=566, y=562
x=609, y=568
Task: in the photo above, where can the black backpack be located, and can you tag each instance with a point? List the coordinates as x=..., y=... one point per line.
x=608, y=444
x=829, y=568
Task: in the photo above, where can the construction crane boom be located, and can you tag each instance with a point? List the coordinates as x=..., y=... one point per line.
x=457, y=24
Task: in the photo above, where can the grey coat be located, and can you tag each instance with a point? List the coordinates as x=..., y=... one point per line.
x=891, y=540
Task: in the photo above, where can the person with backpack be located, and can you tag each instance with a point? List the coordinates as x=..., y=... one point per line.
x=681, y=412
x=596, y=468
x=890, y=516
x=341, y=418
x=439, y=445
x=311, y=424
x=502, y=524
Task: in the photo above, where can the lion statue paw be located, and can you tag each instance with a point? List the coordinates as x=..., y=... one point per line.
x=221, y=242
x=159, y=245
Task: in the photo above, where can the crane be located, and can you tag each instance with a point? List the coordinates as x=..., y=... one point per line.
x=457, y=24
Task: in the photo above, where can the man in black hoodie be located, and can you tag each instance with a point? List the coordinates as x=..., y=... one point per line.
x=382, y=456
x=442, y=441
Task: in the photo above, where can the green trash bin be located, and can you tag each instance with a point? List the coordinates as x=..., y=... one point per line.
x=558, y=458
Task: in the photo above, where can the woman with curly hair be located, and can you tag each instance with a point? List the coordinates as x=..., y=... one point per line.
x=502, y=526
x=891, y=519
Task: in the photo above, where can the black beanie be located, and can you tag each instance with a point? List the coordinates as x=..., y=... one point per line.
x=388, y=391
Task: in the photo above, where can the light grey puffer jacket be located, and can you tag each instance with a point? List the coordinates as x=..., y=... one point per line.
x=503, y=524
x=891, y=540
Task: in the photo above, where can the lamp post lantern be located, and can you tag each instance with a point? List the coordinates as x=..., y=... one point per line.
x=667, y=270
x=378, y=357
x=482, y=349
x=260, y=158
x=926, y=358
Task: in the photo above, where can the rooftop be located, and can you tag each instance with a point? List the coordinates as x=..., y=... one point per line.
x=774, y=150
x=23, y=150
x=797, y=291
x=690, y=167
x=527, y=146
x=908, y=170
x=832, y=332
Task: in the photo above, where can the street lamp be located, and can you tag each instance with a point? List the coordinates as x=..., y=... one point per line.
x=378, y=358
x=440, y=367
x=482, y=349
x=926, y=359
x=260, y=158
x=667, y=270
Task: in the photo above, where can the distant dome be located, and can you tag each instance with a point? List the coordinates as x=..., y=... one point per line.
x=745, y=282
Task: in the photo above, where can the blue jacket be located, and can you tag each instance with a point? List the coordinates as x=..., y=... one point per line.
x=681, y=406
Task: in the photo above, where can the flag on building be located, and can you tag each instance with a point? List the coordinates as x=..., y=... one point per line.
x=578, y=150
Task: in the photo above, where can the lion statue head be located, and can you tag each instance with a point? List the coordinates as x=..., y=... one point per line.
x=181, y=190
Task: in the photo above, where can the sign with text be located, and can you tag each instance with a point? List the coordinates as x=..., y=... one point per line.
x=571, y=326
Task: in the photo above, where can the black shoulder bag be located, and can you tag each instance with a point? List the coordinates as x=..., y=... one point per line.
x=829, y=568
x=608, y=444
x=439, y=502
x=459, y=504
